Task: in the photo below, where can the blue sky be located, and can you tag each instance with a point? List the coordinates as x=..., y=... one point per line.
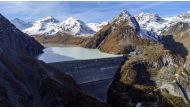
x=88, y=11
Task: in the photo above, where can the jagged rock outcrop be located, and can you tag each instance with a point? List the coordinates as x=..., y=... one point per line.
x=25, y=81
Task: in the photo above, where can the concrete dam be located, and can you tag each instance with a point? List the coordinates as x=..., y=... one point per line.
x=94, y=75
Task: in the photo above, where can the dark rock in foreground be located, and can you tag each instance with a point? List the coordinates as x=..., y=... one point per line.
x=13, y=41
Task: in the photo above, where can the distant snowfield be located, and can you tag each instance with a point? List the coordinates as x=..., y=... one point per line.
x=58, y=54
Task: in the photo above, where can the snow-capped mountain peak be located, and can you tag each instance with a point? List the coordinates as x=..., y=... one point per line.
x=125, y=13
x=46, y=25
x=71, y=20
x=125, y=16
x=49, y=19
x=151, y=22
x=75, y=27
x=149, y=17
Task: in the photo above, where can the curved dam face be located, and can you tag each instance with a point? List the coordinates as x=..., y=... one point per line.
x=94, y=75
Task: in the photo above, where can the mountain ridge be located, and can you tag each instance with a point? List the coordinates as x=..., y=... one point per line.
x=51, y=26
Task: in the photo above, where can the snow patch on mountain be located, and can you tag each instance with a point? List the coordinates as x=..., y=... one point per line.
x=96, y=26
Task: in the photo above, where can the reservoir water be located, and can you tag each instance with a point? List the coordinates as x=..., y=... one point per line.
x=67, y=53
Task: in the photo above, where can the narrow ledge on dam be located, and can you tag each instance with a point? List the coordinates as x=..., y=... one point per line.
x=94, y=75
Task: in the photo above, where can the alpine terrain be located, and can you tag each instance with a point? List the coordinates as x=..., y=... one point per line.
x=155, y=70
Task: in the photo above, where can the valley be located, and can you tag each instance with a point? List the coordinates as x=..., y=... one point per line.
x=131, y=60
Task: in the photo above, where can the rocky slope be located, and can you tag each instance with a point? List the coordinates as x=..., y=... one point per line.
x=153, y=74
x=119, y=36
x=62, y=38
x=25, y=81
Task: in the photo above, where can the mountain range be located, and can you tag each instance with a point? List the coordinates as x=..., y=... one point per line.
x=151, y=25
x=51, y=26
x=155, y=70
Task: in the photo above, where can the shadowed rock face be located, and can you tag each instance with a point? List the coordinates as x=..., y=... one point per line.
x=12, y=39
x=25, y=81
x=180, y=34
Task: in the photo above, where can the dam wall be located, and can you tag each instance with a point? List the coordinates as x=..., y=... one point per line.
x=94, y=75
